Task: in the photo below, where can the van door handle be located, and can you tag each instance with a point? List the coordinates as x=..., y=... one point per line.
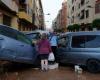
x=1, y=38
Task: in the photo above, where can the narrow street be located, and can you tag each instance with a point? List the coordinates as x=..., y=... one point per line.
x=63, y=73
x=67, y=31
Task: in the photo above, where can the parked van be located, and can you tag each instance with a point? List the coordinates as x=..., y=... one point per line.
x=80, y=48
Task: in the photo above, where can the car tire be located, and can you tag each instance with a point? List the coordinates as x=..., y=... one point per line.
x=93, y=66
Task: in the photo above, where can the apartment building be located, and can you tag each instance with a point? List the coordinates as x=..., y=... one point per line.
x=38, y=14
x=8, y=13
x=24, y=15
x=56, y=23
x=64, y=14
x=83, y=12
x=31, y=15
x=60, y=22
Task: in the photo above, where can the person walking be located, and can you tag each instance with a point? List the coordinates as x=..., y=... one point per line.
x=44, y=49
x=53, y=43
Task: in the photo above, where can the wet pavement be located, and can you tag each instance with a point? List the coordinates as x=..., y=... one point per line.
x=63, y=73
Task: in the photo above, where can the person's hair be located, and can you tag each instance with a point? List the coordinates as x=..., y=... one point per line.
x=44, y=36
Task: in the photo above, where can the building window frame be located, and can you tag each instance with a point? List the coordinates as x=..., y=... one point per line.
x=82, y=2
x=97, y=7
x=87, y=13
x=82, y=14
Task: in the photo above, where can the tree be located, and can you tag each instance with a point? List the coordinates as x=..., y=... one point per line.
x=76, y=27
x=96, y=23
x=73, y=27
x=70, y=28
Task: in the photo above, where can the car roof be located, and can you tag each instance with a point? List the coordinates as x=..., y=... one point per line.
x=10, y=28
x=83, y=33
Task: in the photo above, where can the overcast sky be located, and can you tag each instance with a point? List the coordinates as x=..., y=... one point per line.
x=52, y=7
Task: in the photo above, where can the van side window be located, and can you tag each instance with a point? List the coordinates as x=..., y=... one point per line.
x=86, y=41
x=78, y=42
x=62, y=41
x=92, y=41
x=67, y=41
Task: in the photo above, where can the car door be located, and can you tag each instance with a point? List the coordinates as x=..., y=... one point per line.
x=26, y=53
x=77, y=49
x=63, y=49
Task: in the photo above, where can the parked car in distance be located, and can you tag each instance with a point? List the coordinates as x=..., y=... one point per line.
x=15, y=46
x=35, y=35
x=80, y=48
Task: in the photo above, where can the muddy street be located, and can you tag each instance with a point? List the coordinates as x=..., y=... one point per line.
x=63, y=73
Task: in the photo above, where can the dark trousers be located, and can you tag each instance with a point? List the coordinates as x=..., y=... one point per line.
x=54, y=49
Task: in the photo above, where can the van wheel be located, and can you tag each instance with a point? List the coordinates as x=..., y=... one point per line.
x=93, y=66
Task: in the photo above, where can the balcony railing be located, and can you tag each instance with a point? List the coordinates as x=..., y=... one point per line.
x=25, y=16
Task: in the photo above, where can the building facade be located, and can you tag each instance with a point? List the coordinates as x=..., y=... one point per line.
x=83, y=12
x=30, y=12
x=23, y=15
x=8, y=13
x=38, y=14
x=60, y=22
x=63, y=15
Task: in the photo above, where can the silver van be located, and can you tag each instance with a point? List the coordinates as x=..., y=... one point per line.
x=80, y=48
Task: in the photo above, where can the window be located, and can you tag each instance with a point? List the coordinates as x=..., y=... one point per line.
x=86, y=41
x=33, y=35
x=73, y=9
x=97, y=7
x=87, y=13
x=82, y=2
x=72, y=1
x=79, y=6
x=67, y=41
x=6, y=20
x=78, y=16
x=82, y=14
x=23, y=38
x=63, y=41
x=72, y=19
x=92, y=41
x=78, y=42
x=87, y=1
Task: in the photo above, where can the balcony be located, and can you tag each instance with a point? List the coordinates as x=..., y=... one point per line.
x=9, y=5
x=23, y=15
